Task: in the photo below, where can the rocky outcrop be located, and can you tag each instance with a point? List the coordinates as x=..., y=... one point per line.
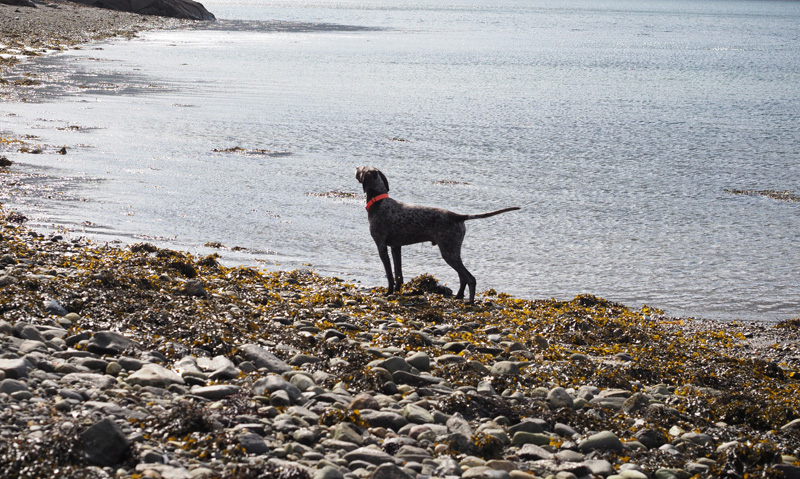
x=187, y=9
x=19, y=3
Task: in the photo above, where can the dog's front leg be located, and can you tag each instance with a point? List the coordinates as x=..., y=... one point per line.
x=383, y=252
x=398, y=268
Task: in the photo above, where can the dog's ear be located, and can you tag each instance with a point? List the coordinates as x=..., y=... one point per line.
x=360, y=174
x=385, y=181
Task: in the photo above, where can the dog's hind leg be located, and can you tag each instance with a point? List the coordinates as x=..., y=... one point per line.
x=398, y=268
x=465, y=278
x=383, y=252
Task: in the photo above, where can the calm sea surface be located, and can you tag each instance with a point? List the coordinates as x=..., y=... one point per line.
x=616, y=125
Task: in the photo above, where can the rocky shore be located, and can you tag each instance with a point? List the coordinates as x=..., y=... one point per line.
x=141, y=362
x=145, y=362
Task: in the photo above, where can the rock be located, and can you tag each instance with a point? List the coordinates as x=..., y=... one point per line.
x=416, y=380
x=109, y=342
x=532, y=452
x=51, y=306
x=328, y=472
x=385, y=419
x=389, y=471
x=602, y=441
x=264, y=359
x=521, y=438
x=484, y=472
x=302, y=382
x=527, y=425
x=216, y=392
x=558, y=397
x=393, y=364
x=564, y=430
x=409, y=453
x=10, y=386
x=273, y=383
x=280, y=398
x=89, y=380
x=164, y=471
x=156, y=376
x=632, y=474
x=420, y=360
x=697, y=438
x=635, y=403
x=651, y=438
x=345, y=432
x=301, y=359
x=15, y=368
x=220, y=367
x=599, y=467
x=5, y=162
x=104, y=443
x=505, y=368
x=252, y=443
x=417, y=415
x=364, y=401
x=369, y=455
x=457, y=424
x=28, y=331
x=787, y=471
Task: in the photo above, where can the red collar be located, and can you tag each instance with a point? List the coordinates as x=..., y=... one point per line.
x=376, y=199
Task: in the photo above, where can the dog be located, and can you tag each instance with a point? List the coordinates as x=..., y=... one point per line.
x=394, y=224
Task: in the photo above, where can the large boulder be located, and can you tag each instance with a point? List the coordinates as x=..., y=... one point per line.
x=163, y=8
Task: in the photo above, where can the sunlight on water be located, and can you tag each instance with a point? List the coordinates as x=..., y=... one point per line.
x=617, y=127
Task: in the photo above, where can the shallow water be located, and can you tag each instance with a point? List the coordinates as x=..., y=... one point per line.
x=617, y=127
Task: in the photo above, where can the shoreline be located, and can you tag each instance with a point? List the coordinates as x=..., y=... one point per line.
x=57, y=25
x=147, y=362
x=199, y=370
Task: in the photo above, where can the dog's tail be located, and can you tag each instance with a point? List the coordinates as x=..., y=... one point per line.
x=486, y=215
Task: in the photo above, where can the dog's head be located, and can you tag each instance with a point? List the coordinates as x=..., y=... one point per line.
x=372, y=179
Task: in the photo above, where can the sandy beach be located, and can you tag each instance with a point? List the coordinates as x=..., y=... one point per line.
x=142, y=362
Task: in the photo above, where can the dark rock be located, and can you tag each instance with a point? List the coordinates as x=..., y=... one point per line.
x=130, y=364
x=104, y=443
x=651, y=438
x=216, y=392
x=9, y=386
x=252, y=443
x=17, y=3
x=109, y=342
x=403, y=377
x=787, y=471
x=387, y=419
x=28, y=331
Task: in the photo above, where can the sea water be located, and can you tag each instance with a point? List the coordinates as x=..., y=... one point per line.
x=620, y=128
